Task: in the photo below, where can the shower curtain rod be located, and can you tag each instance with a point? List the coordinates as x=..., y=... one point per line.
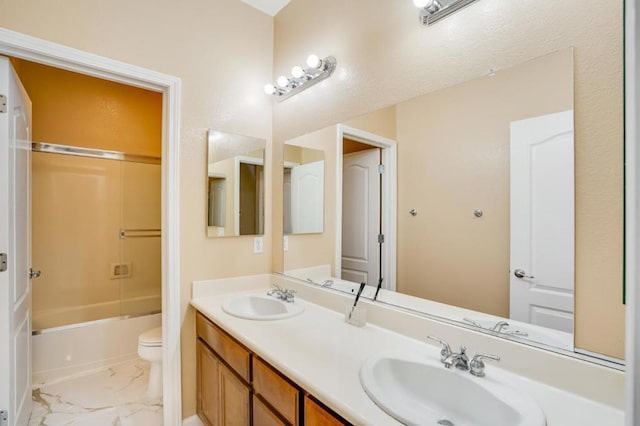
x=93, y=153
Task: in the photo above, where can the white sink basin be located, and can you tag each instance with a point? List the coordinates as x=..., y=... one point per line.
x=418, y=390
x=261, y=307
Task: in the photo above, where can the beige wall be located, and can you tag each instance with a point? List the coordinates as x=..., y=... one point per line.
x=222, y=50
x=78, y=110
x=389, y=58
x=453, y=158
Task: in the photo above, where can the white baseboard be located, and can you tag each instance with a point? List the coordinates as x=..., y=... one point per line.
x=192, y=421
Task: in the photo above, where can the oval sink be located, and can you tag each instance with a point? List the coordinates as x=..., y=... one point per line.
x=260, y=307
x=416, y=390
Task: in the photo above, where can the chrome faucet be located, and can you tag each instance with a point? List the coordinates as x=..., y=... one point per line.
x=284, y=294
x=461, y=360
x=458, y=360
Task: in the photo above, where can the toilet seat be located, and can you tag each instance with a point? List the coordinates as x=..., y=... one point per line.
x=151, y=338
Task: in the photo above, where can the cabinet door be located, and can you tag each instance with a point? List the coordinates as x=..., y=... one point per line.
x=316, y=415
x=208, y=402
x=235, y=399
x=263, y=416
x=223, y=399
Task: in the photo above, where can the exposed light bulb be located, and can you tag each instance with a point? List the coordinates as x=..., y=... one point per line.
x=313, y=61
x=269, y=89
x=421, y=3
x=283, y=81
x=297, y=72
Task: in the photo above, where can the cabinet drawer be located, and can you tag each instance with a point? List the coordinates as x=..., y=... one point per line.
x=225, y=346
x=263, y=416
x=276, y=390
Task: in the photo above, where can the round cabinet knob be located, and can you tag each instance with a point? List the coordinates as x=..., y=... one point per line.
x=520, y=273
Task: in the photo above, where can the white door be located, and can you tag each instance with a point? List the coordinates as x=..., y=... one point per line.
x=542, y=221
x=361, y=217
x=307, y=198
x=15, y=229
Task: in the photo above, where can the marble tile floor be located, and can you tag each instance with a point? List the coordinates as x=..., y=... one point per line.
x=111, y=397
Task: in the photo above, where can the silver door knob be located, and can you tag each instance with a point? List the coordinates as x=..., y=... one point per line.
x=33, y=274
x=520, y=273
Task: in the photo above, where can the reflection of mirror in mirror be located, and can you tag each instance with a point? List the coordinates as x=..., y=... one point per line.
x=303, y=190
x=501, y=144
x=235, y=185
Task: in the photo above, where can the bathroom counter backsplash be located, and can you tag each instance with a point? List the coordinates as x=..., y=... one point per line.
x=323, y=354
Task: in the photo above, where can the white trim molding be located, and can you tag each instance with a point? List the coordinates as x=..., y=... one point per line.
x=59, y=56
x=389, y=202
x=632, y=211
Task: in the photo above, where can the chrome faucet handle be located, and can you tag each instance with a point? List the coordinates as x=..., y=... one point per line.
x=476, y=366
x=500, y=325
x=472, y=322
x=446, y=349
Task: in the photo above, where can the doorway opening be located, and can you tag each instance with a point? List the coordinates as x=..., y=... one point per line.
x=366, y=208
x=42, y=52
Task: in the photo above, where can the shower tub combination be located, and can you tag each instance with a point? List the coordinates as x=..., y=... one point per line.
x=96, y=239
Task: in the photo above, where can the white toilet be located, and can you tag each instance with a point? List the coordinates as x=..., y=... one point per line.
x=150, y=349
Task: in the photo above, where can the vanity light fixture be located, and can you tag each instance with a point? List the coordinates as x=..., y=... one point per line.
x=431, y=11
x=302, y=78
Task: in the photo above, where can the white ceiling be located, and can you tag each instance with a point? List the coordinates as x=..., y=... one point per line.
x=270, y=7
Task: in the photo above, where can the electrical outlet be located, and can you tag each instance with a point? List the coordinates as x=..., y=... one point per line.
x=258, y=245
x=285, y=243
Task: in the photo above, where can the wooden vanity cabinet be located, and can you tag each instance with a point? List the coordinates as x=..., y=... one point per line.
x=236, y=387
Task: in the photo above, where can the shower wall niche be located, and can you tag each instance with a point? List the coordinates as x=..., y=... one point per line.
x=96, y=237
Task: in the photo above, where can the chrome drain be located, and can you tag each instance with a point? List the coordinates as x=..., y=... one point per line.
x=445, y=422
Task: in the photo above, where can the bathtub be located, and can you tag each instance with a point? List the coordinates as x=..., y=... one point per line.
x=67, y=342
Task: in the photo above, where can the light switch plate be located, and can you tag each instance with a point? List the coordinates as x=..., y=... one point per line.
x=285, y=243
x=258, y=245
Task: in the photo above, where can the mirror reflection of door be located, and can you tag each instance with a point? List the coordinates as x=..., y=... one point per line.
x=361, y=213
x=251, y=212
x=542, y=221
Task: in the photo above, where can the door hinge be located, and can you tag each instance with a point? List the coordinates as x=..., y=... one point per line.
x=3, y=104
x=3, y=262
x=4, y=418
x=380, y=168
x=380, y=238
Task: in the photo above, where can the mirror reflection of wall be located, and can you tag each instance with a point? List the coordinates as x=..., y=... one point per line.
x=303, y=190
x=455, y=173
x=235, y=185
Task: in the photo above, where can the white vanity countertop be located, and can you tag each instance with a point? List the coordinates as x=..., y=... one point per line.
x=320, y=352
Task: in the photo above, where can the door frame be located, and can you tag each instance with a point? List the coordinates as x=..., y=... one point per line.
x=632, y=210
x=56, y=55
x=389, y=208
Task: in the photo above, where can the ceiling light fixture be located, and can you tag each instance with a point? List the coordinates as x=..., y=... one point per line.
x=432, y=11
x=302, y=78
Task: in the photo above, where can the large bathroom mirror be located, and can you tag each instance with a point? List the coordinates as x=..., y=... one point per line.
x=303, y=190
x=487, y=190
x=496, y=202
x=235, y=185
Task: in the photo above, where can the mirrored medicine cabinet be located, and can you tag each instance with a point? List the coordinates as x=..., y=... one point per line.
x=235, y=185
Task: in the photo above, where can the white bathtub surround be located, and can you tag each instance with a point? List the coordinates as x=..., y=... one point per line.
x=72, y=351
x=328, y=353
x=112, y=396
